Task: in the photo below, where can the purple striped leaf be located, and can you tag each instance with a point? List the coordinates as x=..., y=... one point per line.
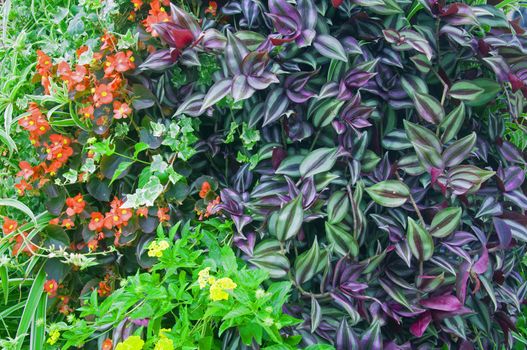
x=330, y=47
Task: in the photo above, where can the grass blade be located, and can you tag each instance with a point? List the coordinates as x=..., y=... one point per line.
x=32, y=302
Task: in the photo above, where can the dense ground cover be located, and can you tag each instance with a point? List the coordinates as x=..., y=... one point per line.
x=274, y=175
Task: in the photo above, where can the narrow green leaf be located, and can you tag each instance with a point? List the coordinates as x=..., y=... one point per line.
x=9, y=202
x=4, y=278
x=338, y=207
x=35, y=294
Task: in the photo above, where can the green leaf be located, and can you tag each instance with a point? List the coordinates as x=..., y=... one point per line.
x=38, y=326
x=428, y=108
x=445, y=222
x=322, y=112
x=465, y=91
x=452, y=123
x=419, y=240
x=318, y=161
x=459, y=150
x=343, y=242
x=338, y=206
x=20, y=206
x=389, y=193
x=4, y=278
x=289, y=219
x=32, y=302
x=139, y=147
x=309, y=263
x=120, y=169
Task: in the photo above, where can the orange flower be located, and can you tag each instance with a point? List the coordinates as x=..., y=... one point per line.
x=9, y=225
x=23, y=186
x=68, y=224
x=97, y=222
x=26, y=170
x=20, y=243
x=104, y=289
x=54, y=221
x=81, y=50
x=108, y=42
x=51, y=287
x=121, y=110
x=213, y=7
x=75, y=205
x=162, y=214
x=205, y=188
x=44, y=63
x=157, y=14
x=103, y=95
x=93, y=244
x=87, y=112
x=137, y=4
x=107, y=344
x=142, y=212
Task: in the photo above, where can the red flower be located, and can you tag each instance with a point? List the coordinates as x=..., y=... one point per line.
x=108, y=42
x=205, y=188
x=68, y=224
x=104, y=289
x=87, y=112
x=81, y=50
x=107, y=344
x=54, y=221
x=75, y=205
x=213, y=7
x=44, y=63
x=9, y=225
x=137, y=4
x=120, y=62
x=23, y=186
x=125, y=214
x=97, y=222
x=26, y=170
x=121, y=110
x=142, y=212
x=93, y=244
x=157, y=14
x=162, y=214
x=103, y=95
x=51, y=287
x=21, y=243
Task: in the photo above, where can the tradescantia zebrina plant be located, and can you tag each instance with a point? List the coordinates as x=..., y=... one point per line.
x=377, y=179
x=380, y=183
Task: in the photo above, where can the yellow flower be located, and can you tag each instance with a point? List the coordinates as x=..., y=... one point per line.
x=53, y=337
x=133, y=342
x=162, y=332
x=203, y=277
x=164, y=344
x=219, y=287
x=155, y=249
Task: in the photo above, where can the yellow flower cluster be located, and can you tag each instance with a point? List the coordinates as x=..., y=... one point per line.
x=53, y=337
x=133, y=342
x=155, y=249
x=164, y=343
x=218, y=287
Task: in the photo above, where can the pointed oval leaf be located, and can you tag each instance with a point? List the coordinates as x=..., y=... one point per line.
x=465, y=91
x=459, y=150
x=275, y=105
x=389, y=193
x=445, y=222
x=289, y=219
x=419, y=240
x=330, y=47
x=343, y=242
x=428, y=108
x=217, y=91
x=318, y=161
x=452, y=123
x=338, y=207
